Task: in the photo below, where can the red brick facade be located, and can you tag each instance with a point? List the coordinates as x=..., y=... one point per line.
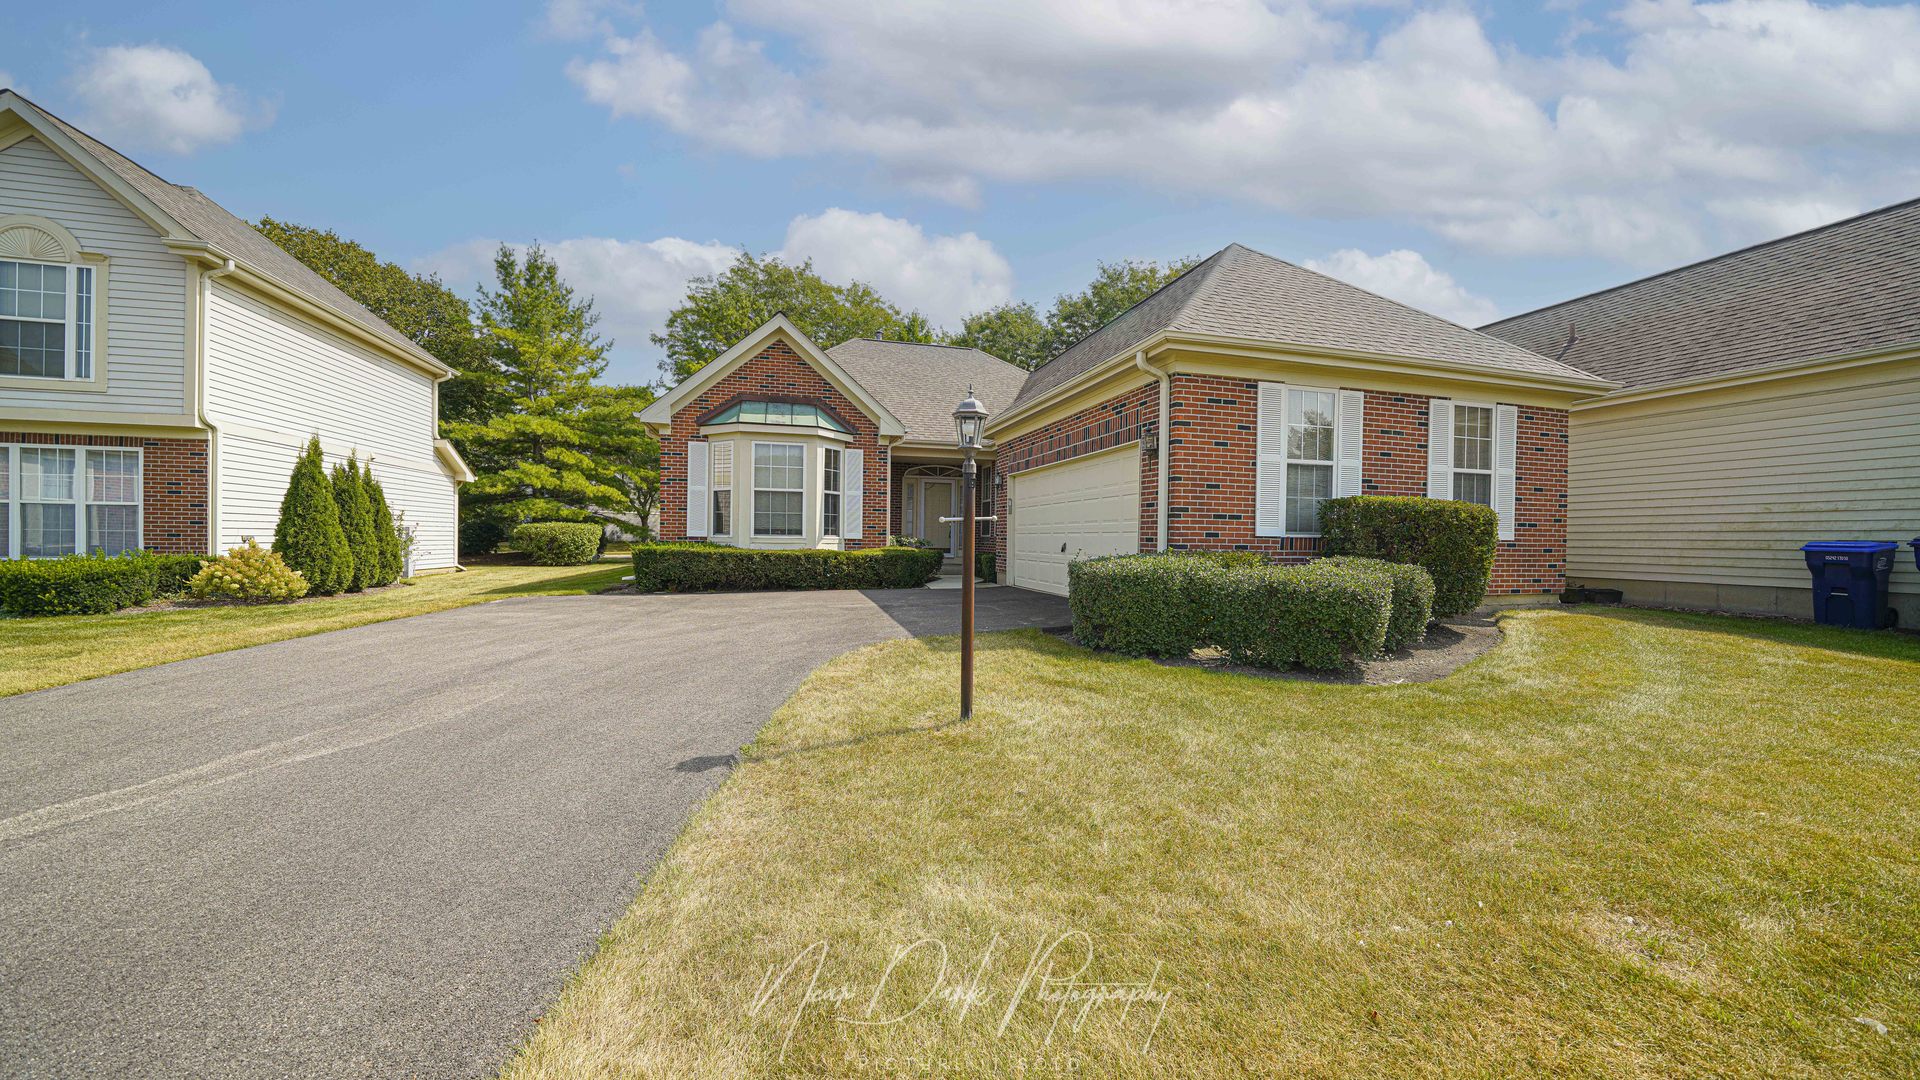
x=173, y=485
x=776, y=372
x=1213, y=442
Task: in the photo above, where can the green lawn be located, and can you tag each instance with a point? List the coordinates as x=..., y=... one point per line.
x=1621, y=844
x=38, y=653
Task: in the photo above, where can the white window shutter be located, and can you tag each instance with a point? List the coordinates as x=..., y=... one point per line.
x=1439, y=448
x=853, y=494
x=1506, y=437
x=698, y=512
x=1270, y=462
x=1347, y=456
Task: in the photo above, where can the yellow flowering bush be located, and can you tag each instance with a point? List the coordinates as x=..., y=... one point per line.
x=249, y=572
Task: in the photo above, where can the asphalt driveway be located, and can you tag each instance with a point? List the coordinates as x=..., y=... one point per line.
x=377, y=852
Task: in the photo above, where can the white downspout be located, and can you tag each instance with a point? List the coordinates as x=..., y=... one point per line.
x=200, y=407
x=1164, y=437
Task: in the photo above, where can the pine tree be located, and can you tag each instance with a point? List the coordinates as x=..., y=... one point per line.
x=384, y=529
x=356, y=521
x=308, y=537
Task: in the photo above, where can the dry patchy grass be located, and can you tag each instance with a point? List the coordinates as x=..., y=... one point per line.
x=1622, y=844
x=38, y=653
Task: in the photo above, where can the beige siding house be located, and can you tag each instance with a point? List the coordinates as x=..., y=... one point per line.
x=1771, y=397
x=162, y=363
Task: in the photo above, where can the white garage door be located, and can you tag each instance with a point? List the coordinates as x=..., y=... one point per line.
x=1074, y=510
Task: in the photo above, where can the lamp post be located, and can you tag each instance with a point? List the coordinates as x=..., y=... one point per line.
x=968, y=421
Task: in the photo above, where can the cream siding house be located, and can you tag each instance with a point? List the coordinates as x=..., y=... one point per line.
x=162, y=363
x=1771, y=398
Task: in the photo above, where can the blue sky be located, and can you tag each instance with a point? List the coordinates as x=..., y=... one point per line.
x=1475, y=160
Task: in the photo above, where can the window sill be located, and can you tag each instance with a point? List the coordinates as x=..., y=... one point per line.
x=95, y=384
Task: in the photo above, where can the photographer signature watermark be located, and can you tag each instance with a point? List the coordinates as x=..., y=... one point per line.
x=1053, y=986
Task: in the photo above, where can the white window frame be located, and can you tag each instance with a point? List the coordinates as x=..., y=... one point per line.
x=1454, y=470
x=754, y=489
x=10, y=462
x=719, y=495
x=75, y=367
x=1286, y=456
x=832, y=481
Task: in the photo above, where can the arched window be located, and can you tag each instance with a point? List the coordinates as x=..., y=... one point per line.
x=49, y=302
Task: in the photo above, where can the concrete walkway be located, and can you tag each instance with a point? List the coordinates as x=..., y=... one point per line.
x=377, y=852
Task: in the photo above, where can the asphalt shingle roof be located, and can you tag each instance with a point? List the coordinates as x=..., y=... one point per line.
x=209, y=222
x=1239, y=292
x=920, y=384
x=1848, y=287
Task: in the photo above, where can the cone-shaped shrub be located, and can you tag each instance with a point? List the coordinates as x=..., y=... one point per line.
x=385, y=532
x=356, y=520
x=309, y=538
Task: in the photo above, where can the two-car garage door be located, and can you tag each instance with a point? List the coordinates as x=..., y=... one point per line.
x=1075, y=510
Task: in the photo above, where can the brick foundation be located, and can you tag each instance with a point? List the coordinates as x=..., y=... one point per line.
x=173, y=485
x=1213, y=445
x=777, y=372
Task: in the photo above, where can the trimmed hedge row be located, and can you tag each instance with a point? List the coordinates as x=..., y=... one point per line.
x=692, y=567
x=1324, y=615
x=1455, y=541
x=1412, y=599
x=92, y=584
x=559, y=543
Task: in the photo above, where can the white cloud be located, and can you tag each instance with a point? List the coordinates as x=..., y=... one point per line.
x=160, y=97
x=574, y=19
x=7, y=83
x=945, y=277
x=1406, y=276
x=634, y=283
x=1626, y=150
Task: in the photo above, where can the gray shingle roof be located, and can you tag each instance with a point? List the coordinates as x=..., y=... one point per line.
x=1849, y=287
x=207, y=221
x=920, y=384
x=1239, y=292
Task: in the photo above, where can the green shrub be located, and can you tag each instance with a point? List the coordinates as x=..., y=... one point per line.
x=1412, y=599
x=172, y=572
x=250, y=573
x=85, y=584
x=386, y=531
x=984, y=566
x=1455, y=541
x=559, y=543
x=691, y=567
x=356, y=522
x=481, y=533
x=1322, y=616
x=308, y=537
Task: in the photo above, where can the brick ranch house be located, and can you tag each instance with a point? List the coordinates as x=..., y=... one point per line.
x=1279, y=388
x=162, y=364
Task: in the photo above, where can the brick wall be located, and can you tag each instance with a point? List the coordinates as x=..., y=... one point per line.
x=1213, y=442
x=1114, y=422
x=776, y=371
x=173, y=513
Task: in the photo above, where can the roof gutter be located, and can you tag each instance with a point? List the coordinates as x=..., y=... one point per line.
x=200, y=404
x=1163, y=440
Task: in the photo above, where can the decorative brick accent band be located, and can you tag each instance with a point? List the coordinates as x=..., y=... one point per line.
x=1213, y=445
x=173, y=485
x=778, y=372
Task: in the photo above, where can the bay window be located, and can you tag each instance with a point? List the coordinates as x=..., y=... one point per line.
x=830, y=493
x=779, y=489
x=62, y=500
x=722, y=488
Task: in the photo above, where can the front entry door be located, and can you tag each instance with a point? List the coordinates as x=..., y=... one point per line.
x=936, y=502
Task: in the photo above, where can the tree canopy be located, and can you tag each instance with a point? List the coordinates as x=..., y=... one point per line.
x=423, y=309
x=720, y=309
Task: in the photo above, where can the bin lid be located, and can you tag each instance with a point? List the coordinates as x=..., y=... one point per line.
x=1851, y=545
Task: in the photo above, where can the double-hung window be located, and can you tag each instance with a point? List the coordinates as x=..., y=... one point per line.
x=722, y=487
x=1310, y=450
x=46, y=320
x=59, y=500
x=1473, y=453
x=779, y=488
x=830, y=493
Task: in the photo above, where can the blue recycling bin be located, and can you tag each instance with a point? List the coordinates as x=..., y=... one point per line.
x=1850, y=581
